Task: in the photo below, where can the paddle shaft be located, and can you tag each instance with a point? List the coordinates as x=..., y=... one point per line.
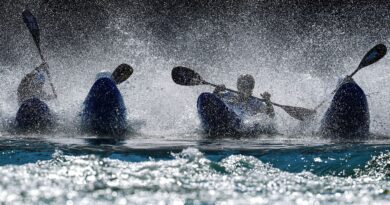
x=47, y=71
x=234, y=91
x=354, y=72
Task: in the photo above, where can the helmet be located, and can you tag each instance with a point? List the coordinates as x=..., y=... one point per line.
x=39, y=78
x=245, y=82
x=103, y=74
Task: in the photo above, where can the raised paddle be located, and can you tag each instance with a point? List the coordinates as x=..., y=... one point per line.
x=372, y=56
x=188, y=77
x=32, y=25
x=122, y=73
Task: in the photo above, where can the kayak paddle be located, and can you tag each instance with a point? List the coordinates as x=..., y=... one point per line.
x=188, y=77
x=372, y=56
x=122, y=73
x=32, y=25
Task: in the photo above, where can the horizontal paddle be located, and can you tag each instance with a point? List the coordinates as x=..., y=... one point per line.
x=372, y=56
x=188, y=77
x=122, y=73
x=32, y=25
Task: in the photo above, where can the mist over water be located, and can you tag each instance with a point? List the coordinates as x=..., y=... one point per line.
x=295, y=50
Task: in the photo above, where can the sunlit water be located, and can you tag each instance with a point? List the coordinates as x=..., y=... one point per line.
x=151, y=170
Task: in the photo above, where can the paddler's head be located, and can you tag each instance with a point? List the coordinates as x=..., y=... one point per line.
x=38, y=78
x=103, y=74
x=245, y=85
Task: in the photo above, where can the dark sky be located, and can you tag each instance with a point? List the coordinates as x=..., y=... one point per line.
x=316, y=35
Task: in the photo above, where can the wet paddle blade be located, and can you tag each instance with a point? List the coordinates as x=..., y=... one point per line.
x=32, y=25
x=373, y=55
x=298, y=113
x=122, y=73
x=186, y=76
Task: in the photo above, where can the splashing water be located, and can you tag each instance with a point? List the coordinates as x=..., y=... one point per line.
x=295, y=51
x=220, y=45
x=188, y=177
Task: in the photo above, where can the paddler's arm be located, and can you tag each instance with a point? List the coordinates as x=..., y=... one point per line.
x=44, y=67
x=269, y=107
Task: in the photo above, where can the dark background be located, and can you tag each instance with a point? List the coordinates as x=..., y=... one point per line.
x=316, y=37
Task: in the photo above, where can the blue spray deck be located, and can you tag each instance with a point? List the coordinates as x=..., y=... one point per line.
x=348, y=116
x=104, y=111
x=218, y=118
x=34, y=116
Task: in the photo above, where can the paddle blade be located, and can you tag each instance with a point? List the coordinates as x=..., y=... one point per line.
x=373, y=55
x=32, y=25
x=299, y=113
x=186, y=76
x=122, y=73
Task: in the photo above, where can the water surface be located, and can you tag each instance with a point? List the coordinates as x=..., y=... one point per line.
x=151, y=170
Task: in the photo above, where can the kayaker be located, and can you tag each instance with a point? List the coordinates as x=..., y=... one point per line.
x=104, y=110
x=32, y=85
x=245, y=86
